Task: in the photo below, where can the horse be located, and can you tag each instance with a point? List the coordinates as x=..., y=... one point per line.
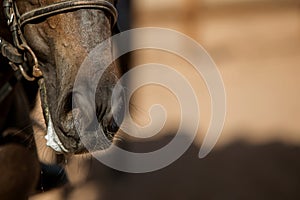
x=22, y=173
x=51, y=39
x=55, y=37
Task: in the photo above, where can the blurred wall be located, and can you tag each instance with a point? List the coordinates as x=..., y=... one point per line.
x=256, y=46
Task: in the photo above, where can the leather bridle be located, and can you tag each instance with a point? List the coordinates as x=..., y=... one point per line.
x=18, y=53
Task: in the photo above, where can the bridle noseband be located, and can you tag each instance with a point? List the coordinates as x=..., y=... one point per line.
x=66, y=6
x=18, y=52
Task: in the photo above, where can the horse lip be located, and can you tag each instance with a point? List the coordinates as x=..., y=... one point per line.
x=85, y=139
x=53, y=140
x=93, y=140
x=90, y=131
x=63, y=137
x=87, y=131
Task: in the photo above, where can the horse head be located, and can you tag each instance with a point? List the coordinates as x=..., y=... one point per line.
x=61, y=40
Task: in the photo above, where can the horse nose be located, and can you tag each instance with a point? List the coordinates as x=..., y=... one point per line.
x=112, y=120
x=68, y=115
x=78, y=112
x=110, y=127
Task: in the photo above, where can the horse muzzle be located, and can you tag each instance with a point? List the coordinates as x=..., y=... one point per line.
x=85, y=126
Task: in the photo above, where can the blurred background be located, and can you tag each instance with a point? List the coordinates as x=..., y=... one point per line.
x=256, y=47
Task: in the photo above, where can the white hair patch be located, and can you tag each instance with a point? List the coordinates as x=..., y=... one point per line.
x=53, y=140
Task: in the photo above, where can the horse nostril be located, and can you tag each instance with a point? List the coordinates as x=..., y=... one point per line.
x=67, y=102
x=113, y=126
x=110, y=127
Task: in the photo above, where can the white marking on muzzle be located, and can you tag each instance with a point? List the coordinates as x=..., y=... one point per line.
x=53, y=140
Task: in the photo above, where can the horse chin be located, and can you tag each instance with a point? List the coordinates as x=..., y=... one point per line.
x=78, y=139
x=93, y=136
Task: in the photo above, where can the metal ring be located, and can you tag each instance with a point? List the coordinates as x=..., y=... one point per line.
x=36, y=70
x=26, y=76
x=26, y=47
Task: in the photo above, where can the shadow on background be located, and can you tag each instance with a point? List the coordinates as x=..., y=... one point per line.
x=237, y=171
